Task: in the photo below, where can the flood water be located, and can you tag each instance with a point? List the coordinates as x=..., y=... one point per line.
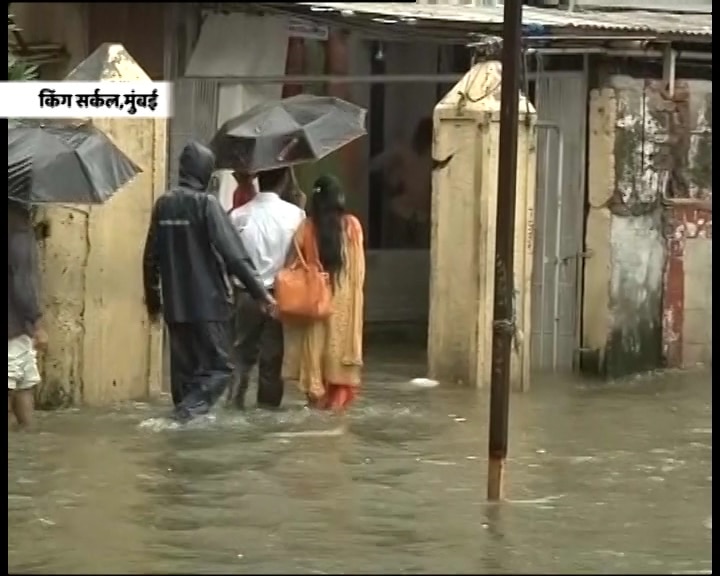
x=602, y=478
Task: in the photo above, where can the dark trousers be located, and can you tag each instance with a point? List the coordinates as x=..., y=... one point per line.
x=258, y=340
x=200, y=366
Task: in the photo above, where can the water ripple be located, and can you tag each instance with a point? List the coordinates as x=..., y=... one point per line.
x=600, y=479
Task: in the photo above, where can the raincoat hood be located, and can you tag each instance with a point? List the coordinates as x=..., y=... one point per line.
x=197, y=163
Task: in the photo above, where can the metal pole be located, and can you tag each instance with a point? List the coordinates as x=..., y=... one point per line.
x=669, y=63
x=503, y=315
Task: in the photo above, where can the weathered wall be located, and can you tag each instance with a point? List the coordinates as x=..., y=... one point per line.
x=101, y=347
x=637, y=258
x=687, y=305
x=623, y=278
x=642, y=155
x=697, y=321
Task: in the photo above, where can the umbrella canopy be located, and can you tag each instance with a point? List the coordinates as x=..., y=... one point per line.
x=64, y=163
x=292, y=131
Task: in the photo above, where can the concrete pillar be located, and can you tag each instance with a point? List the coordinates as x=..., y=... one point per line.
x=602, y=117
x=462, y=254
x=102, y=347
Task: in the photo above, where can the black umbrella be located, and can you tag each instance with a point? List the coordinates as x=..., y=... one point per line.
x=292, y=131
x=64, y=163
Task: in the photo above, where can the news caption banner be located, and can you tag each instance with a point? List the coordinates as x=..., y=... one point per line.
x=37, y=99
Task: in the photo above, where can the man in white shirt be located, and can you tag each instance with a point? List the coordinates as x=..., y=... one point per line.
x=267, y=225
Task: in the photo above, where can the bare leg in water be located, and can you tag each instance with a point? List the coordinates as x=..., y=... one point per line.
x=21, y=404
x=23, y=376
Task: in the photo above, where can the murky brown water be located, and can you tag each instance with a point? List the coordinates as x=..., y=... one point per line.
x=602, y=479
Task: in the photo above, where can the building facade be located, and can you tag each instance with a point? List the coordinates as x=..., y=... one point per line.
x=623, y=223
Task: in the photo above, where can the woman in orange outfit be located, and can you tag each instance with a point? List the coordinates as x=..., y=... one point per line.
x=325, y=356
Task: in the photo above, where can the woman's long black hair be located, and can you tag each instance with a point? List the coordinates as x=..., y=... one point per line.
x=327, y=208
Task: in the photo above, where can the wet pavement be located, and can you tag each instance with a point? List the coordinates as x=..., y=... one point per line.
x=602, y=478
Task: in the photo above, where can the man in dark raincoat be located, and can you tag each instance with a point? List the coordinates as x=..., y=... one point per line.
x=190, y=248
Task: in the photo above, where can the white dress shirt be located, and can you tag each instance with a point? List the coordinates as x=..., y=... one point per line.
x=267, y=225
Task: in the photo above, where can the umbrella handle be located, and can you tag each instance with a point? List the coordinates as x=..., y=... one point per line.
x=286, y=150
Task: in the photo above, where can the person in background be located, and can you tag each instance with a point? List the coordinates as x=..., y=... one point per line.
x=326, y=356
x=190, y=248
x=248, y=187
x=407, y=178
x=232, y=188
x=25, y=333
x=266, y=224
x=245, y=190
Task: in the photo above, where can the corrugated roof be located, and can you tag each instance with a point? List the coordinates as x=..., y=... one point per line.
x=538, y=20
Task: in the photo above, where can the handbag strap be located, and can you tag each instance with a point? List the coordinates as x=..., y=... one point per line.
x=309, y=240
x=299, y=254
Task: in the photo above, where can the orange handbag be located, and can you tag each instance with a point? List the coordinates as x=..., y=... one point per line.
x=303, y=289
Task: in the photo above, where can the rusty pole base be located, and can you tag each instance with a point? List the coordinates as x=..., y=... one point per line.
x=496, y=475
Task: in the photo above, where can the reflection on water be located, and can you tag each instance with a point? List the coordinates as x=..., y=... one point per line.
x=602, y=478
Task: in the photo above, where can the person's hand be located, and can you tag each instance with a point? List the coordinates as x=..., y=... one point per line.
x=40, y=338
x=154, y=313
x=270, y=306
x=153, y=306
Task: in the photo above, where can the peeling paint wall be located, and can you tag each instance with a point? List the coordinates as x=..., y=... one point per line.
x=637, y=260
x=637, y=248
x=622, y=326
x=689, y=153
x=687, y=304
x=639, y=135
x=647, y=148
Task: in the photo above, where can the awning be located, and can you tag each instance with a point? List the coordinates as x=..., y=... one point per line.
x=463, y=23
x=233, y=46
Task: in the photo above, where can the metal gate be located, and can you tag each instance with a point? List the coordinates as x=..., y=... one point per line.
x=561, y=102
